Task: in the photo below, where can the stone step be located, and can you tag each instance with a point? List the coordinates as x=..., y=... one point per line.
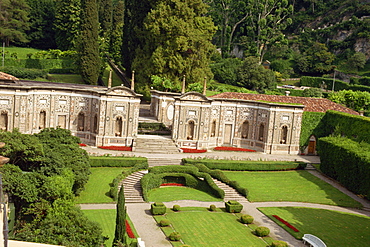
x=230, y=193
x=310, y=167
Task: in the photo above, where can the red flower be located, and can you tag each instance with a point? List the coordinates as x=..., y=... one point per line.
x=129, y=230
x=233, y=149
x=192, y=150
x=116, y=148
x=82, y=144
x=171, y=184
x=286, y=223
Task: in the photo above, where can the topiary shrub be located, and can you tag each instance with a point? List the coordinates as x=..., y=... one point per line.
x=278, y=243
x=164, y=223
x=174, y=236
x=176, y=208
x=262, y=231
x=212, y=208
x=246, y=219
x=158, y=208
x=233, y=206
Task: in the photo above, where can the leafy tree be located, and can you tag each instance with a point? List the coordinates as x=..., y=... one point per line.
x=67, y=24
x=41, y=33
x=264, y=25
x=63, y=152
x=228, y=15
x=254, y=76
x=116, y=39
x=120, y=232
x=357, y=61
x=163, y=84
x=13, y=21
x=356, y=100
x=177, y=42
x=225, y=71
x=88, y=47
x=23, y=150
x=63, y=224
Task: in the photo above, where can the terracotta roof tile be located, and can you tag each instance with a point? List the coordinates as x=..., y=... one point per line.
x=311, y=104
x=4, y=76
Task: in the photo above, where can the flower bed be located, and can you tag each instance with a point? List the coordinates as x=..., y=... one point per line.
x=191, y=150
x=233, y=149
x=116, y=148
x=172, y=184
x=82, y=144
x=286, y=223
x=129, y=230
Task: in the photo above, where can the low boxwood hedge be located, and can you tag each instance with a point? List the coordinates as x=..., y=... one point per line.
x=246, y=165
x=117, y=161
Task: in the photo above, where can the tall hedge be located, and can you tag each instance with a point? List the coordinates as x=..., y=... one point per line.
x=338, y=86
x=346, y=161
x=354, y=127
x=117, y=161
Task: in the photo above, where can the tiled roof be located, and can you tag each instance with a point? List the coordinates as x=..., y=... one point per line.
x=4, y=76
x=311, y=104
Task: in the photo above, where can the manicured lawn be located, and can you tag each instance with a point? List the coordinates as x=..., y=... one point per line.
x=200, y=227
x=334, y=228
x=167, y=194
x=295, y=186
x=97, y=187
x=107, y=221
x=65, y=78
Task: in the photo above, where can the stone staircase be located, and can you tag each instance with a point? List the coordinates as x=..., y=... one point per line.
x=163, y=161
x=155, y=144
x=132, y=188
x=230, y=193
x=144, y=114
x=310, y=167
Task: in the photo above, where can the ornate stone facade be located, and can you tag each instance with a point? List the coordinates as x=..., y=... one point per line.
x=201, y=122
x=100, y=116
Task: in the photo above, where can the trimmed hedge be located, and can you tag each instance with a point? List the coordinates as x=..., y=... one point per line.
x=246, y=219
x=262, y=231
x=25, y=73
x=44, y=64
x=346, y=161
x=116, y=161
x=354, y=127
x=233, y=206
x=278, y=243
x=162, y=174
x=311, y=125
x=158, y=208
x=338, y=86
x=246, y=165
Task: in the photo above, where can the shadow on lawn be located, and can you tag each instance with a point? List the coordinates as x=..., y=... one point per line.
x=337, y=197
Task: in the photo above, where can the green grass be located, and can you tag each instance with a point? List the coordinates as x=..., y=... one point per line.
x=116, y=81
x=199, y=227
x=334, y=228
x=21, y=51
x=97, y=187
x=167, y=194
x=295, y=186
x=106, y=218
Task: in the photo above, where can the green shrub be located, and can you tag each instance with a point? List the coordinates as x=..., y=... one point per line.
x=246, y=165
x=278, y=243
x=117, y=161
x=176, y=208
x=262, y=231
x=212, y=208
x=233, y=206
x=158, y=208
x=164, y=223
x=246, y=219
x=175, y=236
x=173, y=168
x=24, y=73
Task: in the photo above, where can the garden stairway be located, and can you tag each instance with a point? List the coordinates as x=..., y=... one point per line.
x=230, y=193
x=132, y=187
x=163, y=161
x=155, y=144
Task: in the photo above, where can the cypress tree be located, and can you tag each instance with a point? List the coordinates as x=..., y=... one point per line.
x=89, y=46
x=120, y=233
x=115, y=48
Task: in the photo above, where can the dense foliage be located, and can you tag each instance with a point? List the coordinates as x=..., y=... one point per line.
x=346, y=161
x=45, y=172
x=120, y=232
